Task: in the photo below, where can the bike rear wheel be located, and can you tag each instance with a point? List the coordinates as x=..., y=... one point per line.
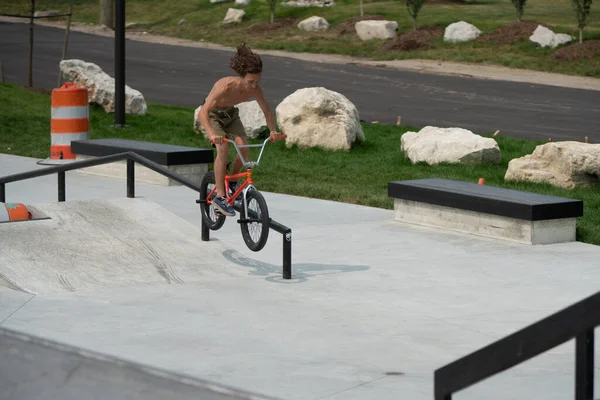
x=255, y=225
x=212, y=219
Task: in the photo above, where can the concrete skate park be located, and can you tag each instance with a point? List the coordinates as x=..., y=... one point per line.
x=114, y=289
x=113, y=293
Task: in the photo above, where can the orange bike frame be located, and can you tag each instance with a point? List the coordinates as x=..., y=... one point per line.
x=231, y=199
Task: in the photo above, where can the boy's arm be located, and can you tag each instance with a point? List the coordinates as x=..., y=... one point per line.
x=260, y=98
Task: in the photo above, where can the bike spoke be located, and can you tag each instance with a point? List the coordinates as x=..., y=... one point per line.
x=255, y=226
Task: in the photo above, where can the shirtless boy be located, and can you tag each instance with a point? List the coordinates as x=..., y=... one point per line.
x=220, y=117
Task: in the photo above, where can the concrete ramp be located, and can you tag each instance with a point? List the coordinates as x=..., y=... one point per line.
x=120, y=242
x=35, y=368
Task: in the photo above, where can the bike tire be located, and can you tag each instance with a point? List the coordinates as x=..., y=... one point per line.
x=258, y=222
x=213, y=221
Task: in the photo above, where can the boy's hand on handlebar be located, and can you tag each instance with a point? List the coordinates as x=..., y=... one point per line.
x=275, y=136
x=216, y=139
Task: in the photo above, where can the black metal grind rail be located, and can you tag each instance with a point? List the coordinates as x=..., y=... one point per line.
x=577, y=321
x=132, y=158
x=286, y=234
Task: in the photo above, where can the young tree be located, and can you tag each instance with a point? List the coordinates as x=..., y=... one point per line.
x=272, y=4
x=520, y=6
x=361, y=8
x=582, y=10
x=106, y=15
x=413, y=7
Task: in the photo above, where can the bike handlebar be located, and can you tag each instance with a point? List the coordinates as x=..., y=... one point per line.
x=225, y=140
x=237, y=149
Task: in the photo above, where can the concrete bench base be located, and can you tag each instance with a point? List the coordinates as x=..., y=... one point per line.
x=549, y=231
x=188, y=162
x=118, y=169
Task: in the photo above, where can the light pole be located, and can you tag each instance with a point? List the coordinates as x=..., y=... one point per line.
x=120, y=63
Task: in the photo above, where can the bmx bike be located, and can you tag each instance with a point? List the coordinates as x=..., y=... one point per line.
x=252, y=206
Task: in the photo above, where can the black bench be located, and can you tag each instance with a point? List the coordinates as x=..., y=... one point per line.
x=190, y=162
x=477, y=201
x=160, y=153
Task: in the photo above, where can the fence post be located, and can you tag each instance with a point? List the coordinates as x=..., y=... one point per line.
x=584, y=365
x=130, y=178
x=205, y=230
x=287, y=254
x=61, y=186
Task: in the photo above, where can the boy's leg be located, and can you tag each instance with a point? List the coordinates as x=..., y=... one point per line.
x=237, y=164
x=236, y=130
x=220, y=168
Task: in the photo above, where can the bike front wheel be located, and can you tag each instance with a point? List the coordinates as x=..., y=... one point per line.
x=213, y=219
x=255, y=225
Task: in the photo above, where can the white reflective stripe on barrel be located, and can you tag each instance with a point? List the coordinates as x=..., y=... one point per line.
x=67, y=138
x=3, y=213
x=70, y=112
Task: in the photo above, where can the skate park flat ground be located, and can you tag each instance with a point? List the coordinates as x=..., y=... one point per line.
x=374, y=307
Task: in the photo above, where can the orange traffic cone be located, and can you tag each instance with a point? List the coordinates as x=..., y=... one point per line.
x=481, y=181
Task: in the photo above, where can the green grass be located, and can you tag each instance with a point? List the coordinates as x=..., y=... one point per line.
x=359, y=176
x=204, y=23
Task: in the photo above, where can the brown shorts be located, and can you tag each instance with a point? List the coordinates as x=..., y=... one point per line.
x=227, y=123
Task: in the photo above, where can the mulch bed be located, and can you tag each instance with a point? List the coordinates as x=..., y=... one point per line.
x=511, y=33
x=277, y=24
x=347, y=27
x=577, y=51
x=416, y=40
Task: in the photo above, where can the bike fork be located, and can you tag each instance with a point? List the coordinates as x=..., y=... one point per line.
x=245, y=204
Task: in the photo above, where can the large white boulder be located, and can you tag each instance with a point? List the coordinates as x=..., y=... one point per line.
x=314, y=24
x=376, y=29
x=546, y=38
x=251, y=115
x=434, y=145
x=234, y=16
x=461, y=32
x=100, y=86
x=566, y=164
x=318, y=117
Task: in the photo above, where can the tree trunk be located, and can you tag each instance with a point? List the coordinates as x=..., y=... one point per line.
x=362, y=13
x=415, y=23
x=272, y=16
x=580, y=35
x=106, y=15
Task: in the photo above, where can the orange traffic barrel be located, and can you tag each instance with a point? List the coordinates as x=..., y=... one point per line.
x=13, y=212
x=69, y=122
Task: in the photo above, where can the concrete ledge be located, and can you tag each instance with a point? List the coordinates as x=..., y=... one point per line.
x=160, y=153
x=494, y=226
x=118, y=169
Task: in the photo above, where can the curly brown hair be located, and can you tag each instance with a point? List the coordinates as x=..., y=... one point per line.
x=245, y=61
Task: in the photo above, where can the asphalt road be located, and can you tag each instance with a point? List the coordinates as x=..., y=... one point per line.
x=183, y=76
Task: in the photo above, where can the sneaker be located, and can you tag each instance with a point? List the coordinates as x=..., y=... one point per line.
x=223, y=207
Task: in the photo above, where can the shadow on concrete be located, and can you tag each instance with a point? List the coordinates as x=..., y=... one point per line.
x=300, y=272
